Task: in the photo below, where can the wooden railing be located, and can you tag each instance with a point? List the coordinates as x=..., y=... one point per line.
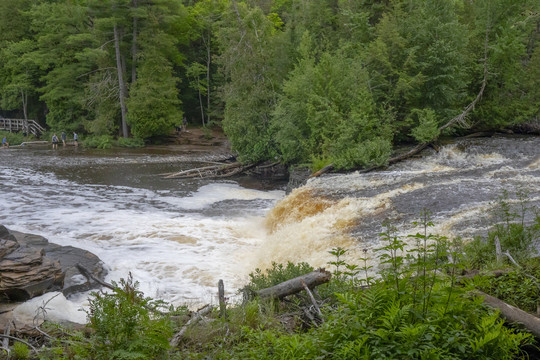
x=27, y=126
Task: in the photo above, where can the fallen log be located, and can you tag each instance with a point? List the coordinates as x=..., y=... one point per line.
x=214, y=171
x=296, y=285
x=512, y=314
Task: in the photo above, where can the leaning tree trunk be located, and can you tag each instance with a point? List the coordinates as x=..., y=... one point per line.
x=121, y=83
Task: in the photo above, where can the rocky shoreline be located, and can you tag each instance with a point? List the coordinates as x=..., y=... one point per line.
x=31, y=266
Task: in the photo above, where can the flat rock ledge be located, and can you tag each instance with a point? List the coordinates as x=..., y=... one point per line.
x=30, y=266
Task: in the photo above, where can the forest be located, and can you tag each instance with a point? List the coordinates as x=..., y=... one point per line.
x=304, y=82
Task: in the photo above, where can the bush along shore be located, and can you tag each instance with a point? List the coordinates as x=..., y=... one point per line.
x=435, y=298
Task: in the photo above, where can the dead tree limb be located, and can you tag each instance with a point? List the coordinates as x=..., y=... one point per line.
x=87, y=274
x=222, y=305
x=19, y=340
x=512, y=314
x=5, y=342
x=296, y=285
x=324, y=170
x=197, y=316
x=313, y=301
x=214, y=171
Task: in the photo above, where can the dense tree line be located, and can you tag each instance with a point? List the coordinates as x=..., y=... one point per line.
x=303, y=81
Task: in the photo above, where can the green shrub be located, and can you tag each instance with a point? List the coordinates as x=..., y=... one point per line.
x=127, y=325
x=130, y=142
x=15, y=138
x=516, y=288
x=99, y=142
x=20, y=351
x=276, y=275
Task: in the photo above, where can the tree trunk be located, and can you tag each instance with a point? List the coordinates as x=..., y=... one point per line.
x=24, y=99
x=121, y=83
x=134, y=48
x=200, y=100
x=208, y=60
x=296, y=285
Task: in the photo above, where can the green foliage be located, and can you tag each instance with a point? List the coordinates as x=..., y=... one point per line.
x=14, y=138
x=326, y=111
x=515, y=287
x=302, y=81
x=20, y=351
x=130, y=142
x=127, y=325
x=427, y=129
x=99, y=142
x=278, y=273
x=253, y=58
x=510, y=229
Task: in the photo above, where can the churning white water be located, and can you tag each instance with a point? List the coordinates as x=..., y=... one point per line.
x=179, y=237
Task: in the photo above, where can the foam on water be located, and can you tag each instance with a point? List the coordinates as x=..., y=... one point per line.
x=175, y=255
x=51, y=306
x=178, y=243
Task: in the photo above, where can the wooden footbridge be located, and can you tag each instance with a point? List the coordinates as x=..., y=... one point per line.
x=26, y=126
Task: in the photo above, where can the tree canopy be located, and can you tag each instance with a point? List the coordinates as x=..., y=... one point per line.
x=330, y=81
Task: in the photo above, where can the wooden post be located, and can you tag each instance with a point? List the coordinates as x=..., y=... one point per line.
x=222, y=305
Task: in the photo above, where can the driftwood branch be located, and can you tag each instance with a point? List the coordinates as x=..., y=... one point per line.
x=512, y=314
x=86, y=273
x=296, y=285
x=214, y=171
x=197, y=316
x=5, y=342
x=313, y=301
x=19, y=340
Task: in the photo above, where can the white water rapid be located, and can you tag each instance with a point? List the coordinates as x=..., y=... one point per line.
x=178, y=238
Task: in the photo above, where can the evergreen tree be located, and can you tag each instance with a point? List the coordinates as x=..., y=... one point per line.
x=254, y=61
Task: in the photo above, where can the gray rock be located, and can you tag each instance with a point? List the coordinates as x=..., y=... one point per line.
x=297, y=178
x=30, y=266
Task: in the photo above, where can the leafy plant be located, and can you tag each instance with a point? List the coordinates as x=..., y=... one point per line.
x=21, y=351
x=130, y=142
x=277, y=274
x=99, y=142
x=127, y=325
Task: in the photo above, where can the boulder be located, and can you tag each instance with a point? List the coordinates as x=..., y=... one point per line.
x=297, y=177
x=30, y=266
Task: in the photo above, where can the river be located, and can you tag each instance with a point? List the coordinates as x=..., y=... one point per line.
x=179, y=237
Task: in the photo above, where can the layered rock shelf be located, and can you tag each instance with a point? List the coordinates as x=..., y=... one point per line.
x=30, y=266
